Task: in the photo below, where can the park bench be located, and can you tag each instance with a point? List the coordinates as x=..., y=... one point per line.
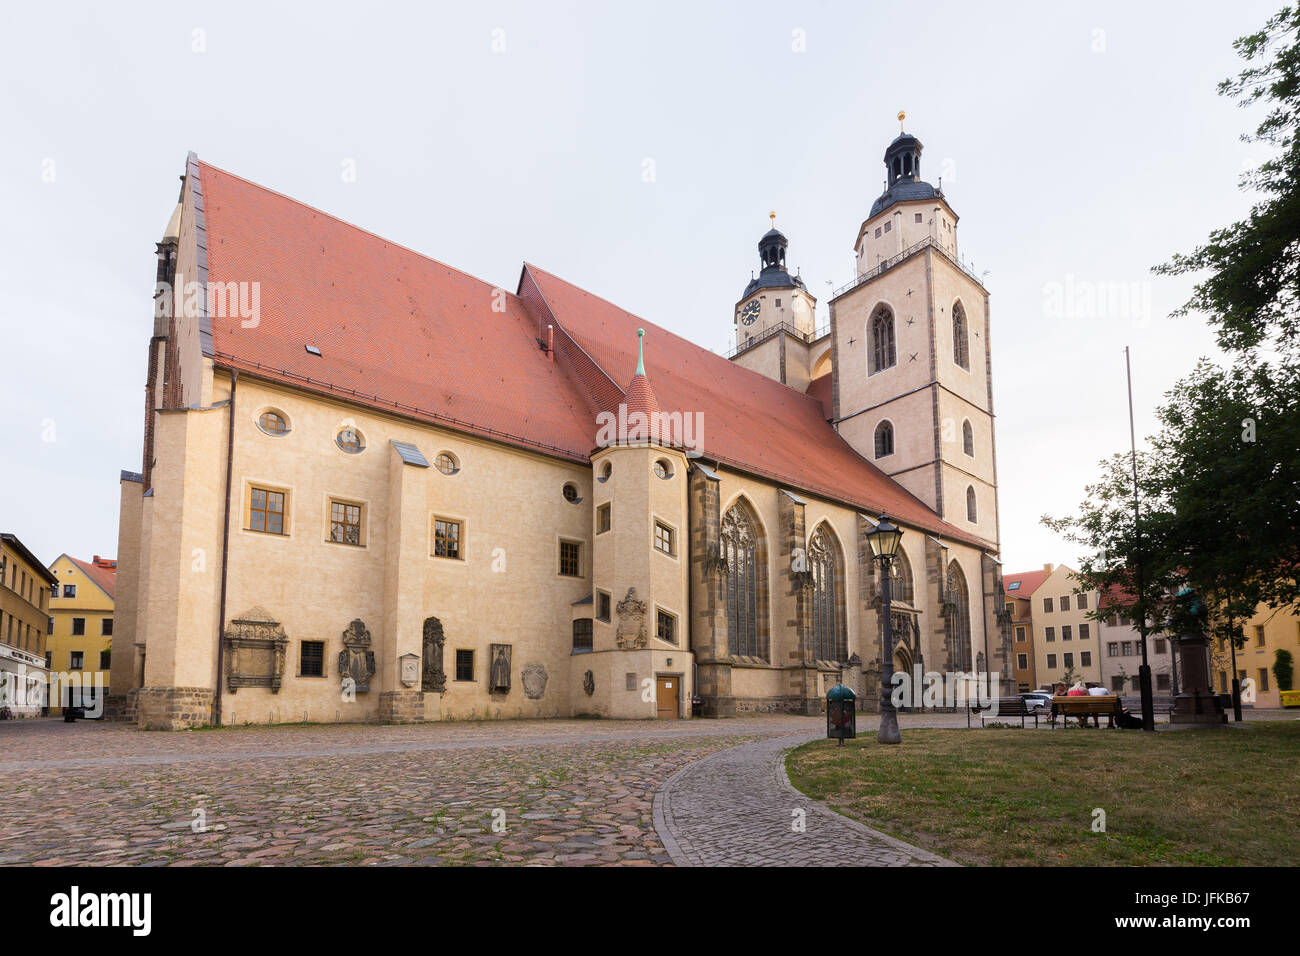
x=1005, y=707
x=1159, y=705
x=1085, y=707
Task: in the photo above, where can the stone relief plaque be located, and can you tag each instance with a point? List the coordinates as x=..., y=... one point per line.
x=255, y=645
x=357, y=660
x=535, y=678
x=499, y=671
x=409, y=669
x=631, y=633
x=589, y=683
x=434, y=678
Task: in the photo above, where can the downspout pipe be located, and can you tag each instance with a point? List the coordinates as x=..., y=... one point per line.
x=225, y=550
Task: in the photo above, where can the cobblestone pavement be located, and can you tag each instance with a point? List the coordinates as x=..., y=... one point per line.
x=566, y=792
x=737, y=808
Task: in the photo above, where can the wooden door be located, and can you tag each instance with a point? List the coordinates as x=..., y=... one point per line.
x=668, y=694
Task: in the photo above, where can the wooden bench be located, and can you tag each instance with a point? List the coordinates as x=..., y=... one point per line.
x=1004, y=707
x=1084, y=707
x=1159, y=705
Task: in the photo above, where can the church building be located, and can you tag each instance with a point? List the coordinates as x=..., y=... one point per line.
x=375, y=488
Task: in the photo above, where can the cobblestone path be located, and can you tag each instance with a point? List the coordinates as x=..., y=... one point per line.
x=736, y=807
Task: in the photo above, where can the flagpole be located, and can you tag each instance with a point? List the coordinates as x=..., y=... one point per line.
x=1144, y=670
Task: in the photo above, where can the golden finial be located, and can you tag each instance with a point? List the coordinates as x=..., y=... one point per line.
x=772, y=215
x=901, y=116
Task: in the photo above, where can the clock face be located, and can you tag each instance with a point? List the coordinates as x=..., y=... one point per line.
x=750, y=312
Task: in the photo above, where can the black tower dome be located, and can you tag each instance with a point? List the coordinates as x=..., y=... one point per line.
x=771, y=250
x=903, y=165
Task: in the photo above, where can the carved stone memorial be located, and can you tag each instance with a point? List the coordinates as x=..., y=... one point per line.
x=357, y=660
x=255, y=646
x=409, y=669
x=434, y=679
x=499, y=671
x=631, y=633
x=535, y=678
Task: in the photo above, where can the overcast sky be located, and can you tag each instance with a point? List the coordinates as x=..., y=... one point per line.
x=634, y=149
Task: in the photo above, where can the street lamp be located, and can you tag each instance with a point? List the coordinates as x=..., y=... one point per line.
x=884, y=539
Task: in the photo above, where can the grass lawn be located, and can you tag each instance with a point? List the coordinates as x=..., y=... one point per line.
x=1014, y=797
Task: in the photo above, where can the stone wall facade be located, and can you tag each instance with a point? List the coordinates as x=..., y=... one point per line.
x=173, y=708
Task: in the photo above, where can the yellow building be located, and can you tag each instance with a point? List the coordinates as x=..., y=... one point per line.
x=1066, y=643
x=81, y=635
x=24, y=618
x=1265, y=634
x=376, y=488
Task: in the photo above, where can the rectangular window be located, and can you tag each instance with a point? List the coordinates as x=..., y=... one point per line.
x=1047, y=605
x=887, y=226
x=345, y=522
x=75, y=660
x=1010, y=609
x=918, y=218
x=464, y=665
x=778, y=303
x=1082, y=603
x=664, y=538
x=666, y=628
x=266, y=510
x=1127, y=647
x=1049, y=633
x=602, y=518
x=1085, y=631
x=49, y=626
x=1259, y=635
x=1117, y=683
x=1069, y=661
x=1160, y=645
x=446, y=538
x=570, y=559
x=1022, y=662
x=1085, y=658
x=54, y=590
x=106, y=627
x=1065, y=602
x=311, y=659
x=1020, y=635
x=1263, y=678
x=1051, y=660
x=582, y=634
x=1162, y=682
x=69, y=590
x=602, y=605
x=1112, y=649
x=1067, y=633
x=78, y=626
x=105, y=660
x=877, y=232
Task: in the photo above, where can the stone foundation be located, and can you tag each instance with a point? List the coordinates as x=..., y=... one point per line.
x=121, y=707
x=806, y=706
x=173, y=708
x=401, y=707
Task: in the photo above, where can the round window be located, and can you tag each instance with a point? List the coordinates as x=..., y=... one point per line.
x=350, y=440
x=446, y=463
x=605, y=471
x=663, y=469
x=571, y=493
x=273, y=422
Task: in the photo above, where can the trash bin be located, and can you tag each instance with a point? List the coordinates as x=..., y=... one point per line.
x=841, y=713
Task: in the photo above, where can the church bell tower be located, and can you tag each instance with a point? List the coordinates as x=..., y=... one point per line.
x=910, y=334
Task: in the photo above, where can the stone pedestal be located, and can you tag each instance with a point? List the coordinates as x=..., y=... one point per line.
x=173, y=708
x=401, y=707
x=1197, y=704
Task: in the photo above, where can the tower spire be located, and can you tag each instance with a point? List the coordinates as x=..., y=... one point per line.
x=640, y=351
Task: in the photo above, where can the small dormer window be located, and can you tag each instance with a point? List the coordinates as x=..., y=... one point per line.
x=313, y=350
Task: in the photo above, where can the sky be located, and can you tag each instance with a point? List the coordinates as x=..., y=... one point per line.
x=636, y=151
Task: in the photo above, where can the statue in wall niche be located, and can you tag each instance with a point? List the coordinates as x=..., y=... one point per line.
x=631, y=633
x=535, y=678
x=589, y=683
x=499, y=672
x=434, y=677
x=357, y=660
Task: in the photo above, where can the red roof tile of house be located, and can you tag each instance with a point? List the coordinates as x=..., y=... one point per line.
x=396, y=330
x=103, y=571
x=750, y=421
x=399, y=331
x=821, y=389
x=1030, y=581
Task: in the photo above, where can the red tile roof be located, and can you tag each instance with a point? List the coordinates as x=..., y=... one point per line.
x=1030, y=581
x=750, y=421
x=821, y=389
x=103, y=571
x=398, y=331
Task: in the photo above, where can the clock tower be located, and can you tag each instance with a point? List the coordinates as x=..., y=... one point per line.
x=775, y=320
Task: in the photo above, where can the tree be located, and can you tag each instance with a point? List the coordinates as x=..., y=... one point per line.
x=1251, y=294
x=1282, y=668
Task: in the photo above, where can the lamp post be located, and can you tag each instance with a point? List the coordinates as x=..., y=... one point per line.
x=884, y=539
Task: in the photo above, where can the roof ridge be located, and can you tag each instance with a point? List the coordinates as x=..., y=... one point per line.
x=351, y=225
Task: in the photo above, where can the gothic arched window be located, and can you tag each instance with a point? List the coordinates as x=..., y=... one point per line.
x=829, y=638
x=883, y=352
x=960, y=338
x=901, y=587
x=970, y=504
x=958, y=619
x=884, y=439
x=967, y=438
x=745, y=583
